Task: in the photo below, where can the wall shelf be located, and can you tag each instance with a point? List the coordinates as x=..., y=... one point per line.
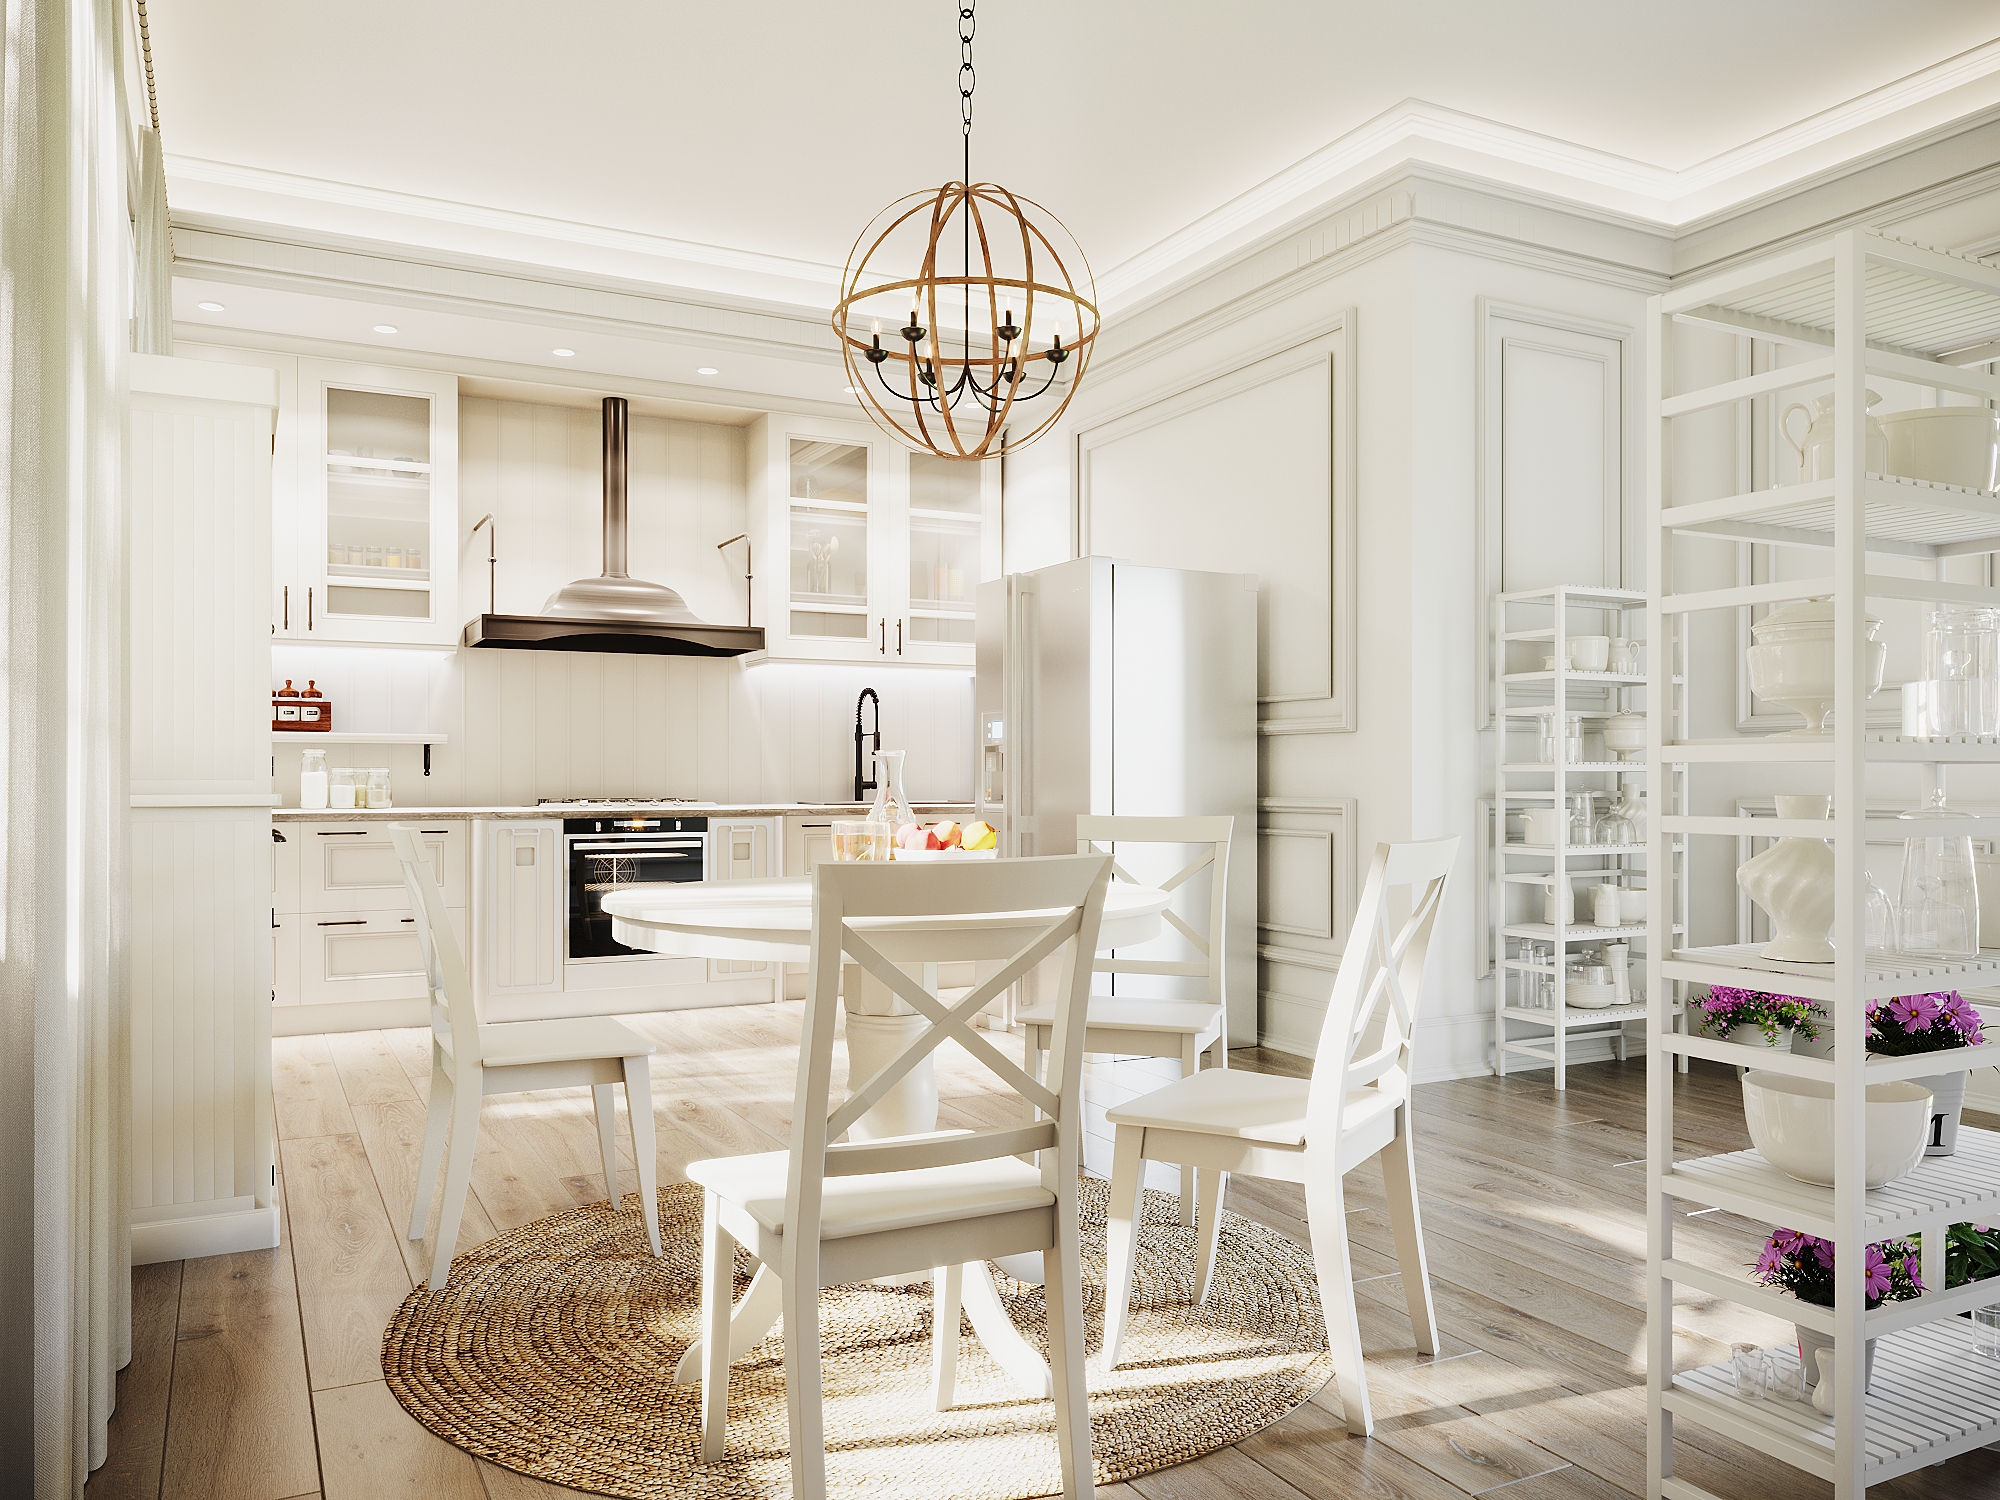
x=309, y=737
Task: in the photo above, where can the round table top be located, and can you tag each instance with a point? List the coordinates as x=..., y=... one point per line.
x=772, y=920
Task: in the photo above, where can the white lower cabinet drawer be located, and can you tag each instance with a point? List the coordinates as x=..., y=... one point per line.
x=352, y=867
x=363, y=955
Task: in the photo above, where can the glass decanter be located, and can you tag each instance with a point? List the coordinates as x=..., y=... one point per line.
x=891, y=805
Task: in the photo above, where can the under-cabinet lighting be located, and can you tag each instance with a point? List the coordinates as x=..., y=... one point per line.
x=385, y=327
x=708, y=370
x=210, y=306
x=563, y=353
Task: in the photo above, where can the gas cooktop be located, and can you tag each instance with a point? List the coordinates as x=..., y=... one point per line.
x=620, y=802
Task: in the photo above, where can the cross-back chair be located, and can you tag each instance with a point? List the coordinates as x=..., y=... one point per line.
x=1356, y=1105
x=826, y=1212
x=471, y=1060
x=1123, y=1025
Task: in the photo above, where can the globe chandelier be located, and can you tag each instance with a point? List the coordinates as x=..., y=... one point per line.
x=981, y=254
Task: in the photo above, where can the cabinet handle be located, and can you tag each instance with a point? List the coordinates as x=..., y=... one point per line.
x=277, y=837
x=899, y=636
x=309, y=608
x=350, y=922
x=884, y=648
x=342, y=833
x=288, y=606
x=409, y=919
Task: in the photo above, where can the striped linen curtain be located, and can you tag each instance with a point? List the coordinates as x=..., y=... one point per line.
x=65, y=305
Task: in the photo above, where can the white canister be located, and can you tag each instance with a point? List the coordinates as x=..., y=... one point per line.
x=1631, y=907
x=1556, y=897
x=1617, y=958
x=312, y=779
x=1604, y=905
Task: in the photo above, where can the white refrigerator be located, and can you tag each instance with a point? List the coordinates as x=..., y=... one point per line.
x=1110, y=688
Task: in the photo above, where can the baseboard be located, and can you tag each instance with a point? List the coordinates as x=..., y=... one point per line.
x=204, y=1234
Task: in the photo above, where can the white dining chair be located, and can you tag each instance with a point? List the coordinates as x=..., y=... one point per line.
x=826, y=1213
x=471, y=1060
x=1124, y=1025
x=1307, y=1130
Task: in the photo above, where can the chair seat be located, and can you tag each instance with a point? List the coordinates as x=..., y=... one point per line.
x=580, y=1040
x=870, y=1203
x=1248, y=1106
x=1111, y=1013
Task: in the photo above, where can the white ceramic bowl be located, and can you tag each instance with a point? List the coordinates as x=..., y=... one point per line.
x=1544, y=825
x=1791, y=1124
x=1945, y=445
x=1631, y=907
x=1590, y=996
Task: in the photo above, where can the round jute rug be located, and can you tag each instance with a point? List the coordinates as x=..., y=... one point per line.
x=551, y=1352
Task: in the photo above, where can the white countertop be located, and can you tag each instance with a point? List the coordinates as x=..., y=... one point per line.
x=599, y=809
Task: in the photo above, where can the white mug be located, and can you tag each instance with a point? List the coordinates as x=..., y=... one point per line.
x=1590, y=653
x=1604, y=905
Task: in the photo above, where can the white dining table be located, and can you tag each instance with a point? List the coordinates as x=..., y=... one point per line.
x=771, y=921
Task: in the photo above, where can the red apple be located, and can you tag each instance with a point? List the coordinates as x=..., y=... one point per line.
x=948, y=834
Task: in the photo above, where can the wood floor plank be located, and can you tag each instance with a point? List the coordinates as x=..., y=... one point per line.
x=352, y=1275
x=137, y=1440
x=1227, y=1471
x=240, y=1422
x=371, y=1449
x=1312, y=1450
x=306, y=1088
x=505, y=1484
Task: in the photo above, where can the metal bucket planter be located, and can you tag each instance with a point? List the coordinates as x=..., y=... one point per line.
x=1947, y=1103
x=1811, y=1340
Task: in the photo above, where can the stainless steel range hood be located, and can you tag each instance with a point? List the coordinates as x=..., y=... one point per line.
x=615, y=612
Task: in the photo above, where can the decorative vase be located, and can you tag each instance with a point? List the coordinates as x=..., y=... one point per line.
x=891, y=805
x=1793, y=882
x=1812, y=1341
x=1947, y=1102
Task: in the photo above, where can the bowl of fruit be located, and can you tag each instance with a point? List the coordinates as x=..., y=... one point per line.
x=946, y=840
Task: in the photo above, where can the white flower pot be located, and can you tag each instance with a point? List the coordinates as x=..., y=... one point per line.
x=1947, y=1103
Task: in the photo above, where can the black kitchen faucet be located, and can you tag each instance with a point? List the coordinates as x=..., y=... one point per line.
x=864, y=745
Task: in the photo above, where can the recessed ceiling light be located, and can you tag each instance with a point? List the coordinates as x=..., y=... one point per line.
x=210, y=306
x=708, y=370
x=385, y=327
x=563, y=353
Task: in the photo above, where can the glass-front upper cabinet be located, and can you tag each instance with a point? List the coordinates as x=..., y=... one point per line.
x=376, y=540
x=882, y=550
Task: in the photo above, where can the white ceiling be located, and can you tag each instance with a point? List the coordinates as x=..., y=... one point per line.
x=743, y=145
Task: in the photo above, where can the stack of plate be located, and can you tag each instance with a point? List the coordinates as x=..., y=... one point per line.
x=1590, y=996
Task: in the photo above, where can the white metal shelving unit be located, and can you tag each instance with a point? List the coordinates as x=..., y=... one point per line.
x=1520, y=784
x=1864, y=304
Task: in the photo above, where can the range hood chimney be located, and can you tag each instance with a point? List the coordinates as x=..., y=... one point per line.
x=615, y=612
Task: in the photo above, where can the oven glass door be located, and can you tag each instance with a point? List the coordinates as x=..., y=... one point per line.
x=600, y=863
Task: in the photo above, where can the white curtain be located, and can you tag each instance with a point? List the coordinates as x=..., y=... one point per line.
x=153, y=293
x=65, y=301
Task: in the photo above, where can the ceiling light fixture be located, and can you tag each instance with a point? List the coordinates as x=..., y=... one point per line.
x=210, y=306
x=563, y=353
x=385, y=327
x=958, y=405
x=708, y=370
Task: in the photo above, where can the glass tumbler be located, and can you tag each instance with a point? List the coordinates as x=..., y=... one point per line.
x=1572, y=738
x=1545, y=729
x=1986, y=1331
x=859, y=839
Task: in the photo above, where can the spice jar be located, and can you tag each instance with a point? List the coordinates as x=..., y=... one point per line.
x=285, y=707
x=315, y=713
x=378, y=788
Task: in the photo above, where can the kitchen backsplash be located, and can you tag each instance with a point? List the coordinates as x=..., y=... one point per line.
x=520, y=725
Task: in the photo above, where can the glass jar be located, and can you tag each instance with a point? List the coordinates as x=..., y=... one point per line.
x=1939, y=912
x=891, y=805
x=1583, y=819
x=392, y=557
x=373, y=557
x=1572, y=739
x=378, y=788
x=357, y=555
x=1961, y=693
x=341, y=791
x=312, y=778
x=336, y=554
x=1547, y=721
x=413, y=558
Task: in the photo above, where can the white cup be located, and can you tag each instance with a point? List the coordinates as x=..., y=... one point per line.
x=1545, y=825
x=1590, y=653
x=1631, y=907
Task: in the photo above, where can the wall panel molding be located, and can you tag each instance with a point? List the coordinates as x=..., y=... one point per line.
x=1331, y=347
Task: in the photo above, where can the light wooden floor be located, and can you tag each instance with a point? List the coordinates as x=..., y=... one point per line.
x=256, y=1376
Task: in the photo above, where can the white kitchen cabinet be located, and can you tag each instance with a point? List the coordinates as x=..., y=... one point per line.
x=367, y=548
x=353, y=866
x=808, y=841
x=346, y=956
x=870, y=553
x=743, y=849
x=518, y=894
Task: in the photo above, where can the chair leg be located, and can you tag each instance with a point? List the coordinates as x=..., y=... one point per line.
x=718, y=1283
x=1399, y=1177
x=947, y=1290
x=1190, y=1061
x=645, y=1152
x=802, y=1385
x=1214, y=1182
x=1326, y=1216
x=604, y=1103
x=457, y=1177
x=1121, y=1237
x=1062, y=1290
x=437, y=1119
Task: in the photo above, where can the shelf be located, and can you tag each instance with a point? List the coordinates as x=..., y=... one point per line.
x=386, y=578
x=1901, y=517
x=1931, y=1398
x=1887, y=976
x=350, y=737
x=1549, y=849
x=1633, y=678
x=1580, y=1015
x=1524, y=767
x=1876, y=746
x=1579, y=932
x=1575, y=594
x=1943, y=1190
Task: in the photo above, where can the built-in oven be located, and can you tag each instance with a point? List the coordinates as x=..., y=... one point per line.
x=605, y=853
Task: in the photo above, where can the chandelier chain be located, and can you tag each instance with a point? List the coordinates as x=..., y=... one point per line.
x=968, y=79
